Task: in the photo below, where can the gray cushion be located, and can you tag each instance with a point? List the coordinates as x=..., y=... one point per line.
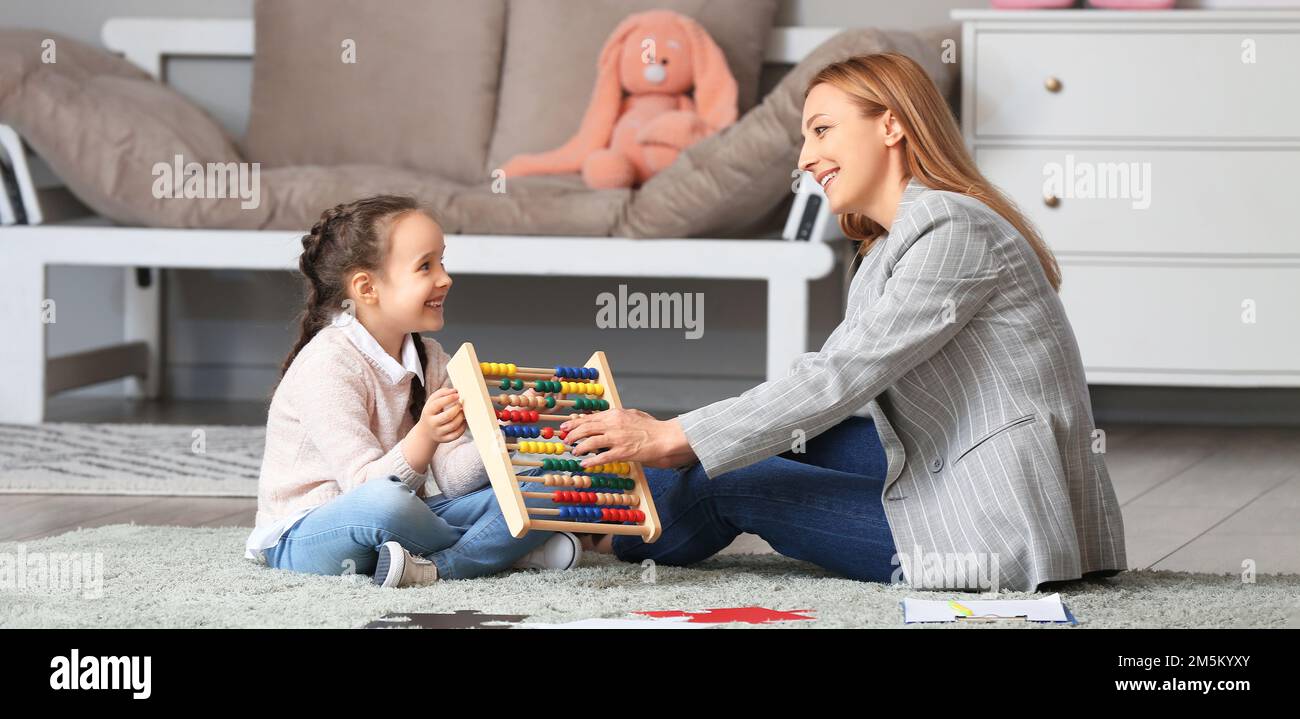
x=293, y=197
x=421, y=94
x=102, y=124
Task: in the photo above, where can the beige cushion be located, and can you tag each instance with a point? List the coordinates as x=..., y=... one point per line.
x=556, y=205
x=726, y=183
x=534, y=205
x=421, y=94
x=293, y=197
x=551, y=51
x=101, y=124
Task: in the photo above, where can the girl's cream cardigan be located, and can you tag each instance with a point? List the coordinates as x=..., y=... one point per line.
x=336, y=421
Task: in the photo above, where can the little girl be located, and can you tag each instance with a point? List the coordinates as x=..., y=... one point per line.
x=350, y=436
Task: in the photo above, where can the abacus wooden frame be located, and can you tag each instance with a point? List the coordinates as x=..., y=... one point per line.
x=467, y=378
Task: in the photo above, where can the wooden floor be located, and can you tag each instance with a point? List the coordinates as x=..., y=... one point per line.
x=1194, y=499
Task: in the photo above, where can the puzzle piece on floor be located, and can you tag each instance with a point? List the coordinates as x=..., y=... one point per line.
x=461, y=619
x=617, y=623
x=748, y=615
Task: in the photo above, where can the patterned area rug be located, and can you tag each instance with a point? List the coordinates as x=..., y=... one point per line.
x=69, y=458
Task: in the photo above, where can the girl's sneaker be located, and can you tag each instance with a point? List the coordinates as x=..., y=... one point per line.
x=399, y=568
x=560, y=551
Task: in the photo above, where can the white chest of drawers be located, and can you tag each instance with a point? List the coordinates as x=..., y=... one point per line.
x=1159, y=155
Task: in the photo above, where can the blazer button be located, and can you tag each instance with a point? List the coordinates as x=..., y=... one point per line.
x=936, y=464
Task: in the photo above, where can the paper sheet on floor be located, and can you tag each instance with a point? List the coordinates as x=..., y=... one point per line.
x=1047, y=609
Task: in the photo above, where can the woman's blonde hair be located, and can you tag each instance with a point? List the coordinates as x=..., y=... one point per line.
x=932, y=144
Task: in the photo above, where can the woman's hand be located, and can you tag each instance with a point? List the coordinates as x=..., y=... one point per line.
x=443, y=419
x=628, y=435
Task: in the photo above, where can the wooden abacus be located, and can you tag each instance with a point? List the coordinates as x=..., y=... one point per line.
x=511, y=421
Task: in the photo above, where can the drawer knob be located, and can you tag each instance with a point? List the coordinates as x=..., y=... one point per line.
x=1051, y=200
x=1052, y=84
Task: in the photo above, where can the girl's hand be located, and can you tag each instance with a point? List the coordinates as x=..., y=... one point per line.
x=443, y=419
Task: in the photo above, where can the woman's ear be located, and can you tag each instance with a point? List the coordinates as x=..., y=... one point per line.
x=893, y=129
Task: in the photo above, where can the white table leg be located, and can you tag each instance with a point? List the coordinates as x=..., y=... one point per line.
x=22, y=354
x=787, y=324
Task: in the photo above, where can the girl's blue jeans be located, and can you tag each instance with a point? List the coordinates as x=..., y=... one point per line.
x=822, y=505
x=465, y=536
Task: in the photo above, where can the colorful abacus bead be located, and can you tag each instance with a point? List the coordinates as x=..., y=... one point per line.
x=597, y=514
x=573, y=465
x=579, y=387
x=522, y=400
x=497, y=369
x=577, y=372
x=518, y=415
x=602, y=498
x=542, y=447
x=611, y=481
x=590, y=388
x=580, y=514
x=565, y=480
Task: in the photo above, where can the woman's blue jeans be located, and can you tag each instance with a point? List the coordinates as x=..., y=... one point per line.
x=465, y=536
x=822, y=505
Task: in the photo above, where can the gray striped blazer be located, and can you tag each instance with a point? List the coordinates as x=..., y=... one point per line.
x=961, y=352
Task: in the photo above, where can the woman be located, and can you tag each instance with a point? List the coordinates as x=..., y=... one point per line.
x=973, y=466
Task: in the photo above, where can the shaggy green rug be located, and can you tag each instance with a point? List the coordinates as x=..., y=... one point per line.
x=197, y=577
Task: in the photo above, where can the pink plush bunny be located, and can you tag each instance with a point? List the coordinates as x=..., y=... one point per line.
x=640, y=116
